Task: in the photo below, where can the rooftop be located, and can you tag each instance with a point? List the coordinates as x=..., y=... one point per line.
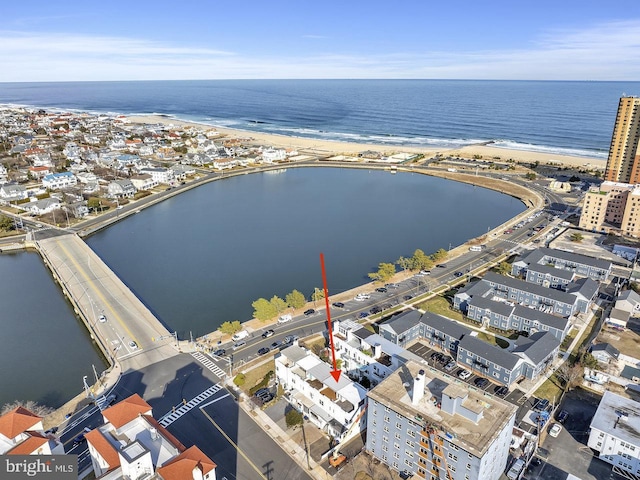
x=618, y=416
x=395, y=391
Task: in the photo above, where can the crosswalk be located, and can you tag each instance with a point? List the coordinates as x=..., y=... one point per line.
x=207, y=362
x=179, y=411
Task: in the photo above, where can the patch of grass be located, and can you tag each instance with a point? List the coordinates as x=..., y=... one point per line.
x=441, y=306
x=551, y=389
x=569, y=338
x=493, y=340
x=255, y=375
x=263, y=383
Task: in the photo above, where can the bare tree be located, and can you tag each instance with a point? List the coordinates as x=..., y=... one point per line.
x=33, y=407
x=570, y=375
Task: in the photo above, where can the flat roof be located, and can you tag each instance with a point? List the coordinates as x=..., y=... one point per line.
x=394, y=391
x=618, y=416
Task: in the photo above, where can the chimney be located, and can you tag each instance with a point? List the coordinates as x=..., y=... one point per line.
x=418, y=388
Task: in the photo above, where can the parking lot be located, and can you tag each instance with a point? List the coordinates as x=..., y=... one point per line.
x=568, y=452
x=426, y=352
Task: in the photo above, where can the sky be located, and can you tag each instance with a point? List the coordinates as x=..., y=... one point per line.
x=220, y=39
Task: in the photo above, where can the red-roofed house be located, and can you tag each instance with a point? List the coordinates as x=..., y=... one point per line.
x=126, y=410
x=192, y=464
x=21, y=434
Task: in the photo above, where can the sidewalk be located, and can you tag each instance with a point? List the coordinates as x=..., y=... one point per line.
x=295, y=451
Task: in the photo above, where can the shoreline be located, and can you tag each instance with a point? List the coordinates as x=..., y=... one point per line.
x=485, y=150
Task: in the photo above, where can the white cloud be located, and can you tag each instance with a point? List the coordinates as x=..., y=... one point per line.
x=603, y=52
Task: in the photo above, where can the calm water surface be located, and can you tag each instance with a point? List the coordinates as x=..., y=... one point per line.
x=202, y=258
x=44, y=350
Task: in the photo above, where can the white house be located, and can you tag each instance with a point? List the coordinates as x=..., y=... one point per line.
x=21, y=433
x=160, y=175
x=143, y=182
x=121, y=189
x=40, y=207
x=271, y=155
x=59, y=180
x=615, y=433
x=331, y=405
x=11, y=193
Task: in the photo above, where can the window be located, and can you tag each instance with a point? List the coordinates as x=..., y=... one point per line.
x=410, y=444
x=396, y=445
x=411, y=433
x=385, y=448
x=385, y=438
x=396, y=455
x=452, y=457
x=397, y=436
x=408, y=453
x=398, y=425
x=386, y=429
x=408, y=463
x=468, y=466
x=386, y=418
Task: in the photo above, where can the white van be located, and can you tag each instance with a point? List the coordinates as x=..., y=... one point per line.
x=285, y=318
x=240, y=335
x=475, y=248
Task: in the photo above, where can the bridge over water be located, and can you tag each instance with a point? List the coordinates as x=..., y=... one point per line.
x=123, y=327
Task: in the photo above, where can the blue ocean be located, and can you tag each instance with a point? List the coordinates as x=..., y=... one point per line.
x=571, y=118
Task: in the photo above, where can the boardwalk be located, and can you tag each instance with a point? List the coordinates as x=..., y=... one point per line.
x=124, y=328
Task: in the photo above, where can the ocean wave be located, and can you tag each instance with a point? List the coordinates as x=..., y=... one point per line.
x=571, y=152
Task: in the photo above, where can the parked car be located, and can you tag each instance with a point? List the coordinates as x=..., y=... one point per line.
x=363, y=314
x=290, y=339
x=480, y=382
x=458, y=274
x=424, y=272
x=221, y=352
x=562, y=416
x=263, y=351
x=375, y=310
x=501, y=391
x=79, y=439
x=285, y=318
x=516, y=468
x=311, y=311
x=238, y=345
x=445, y=359
x=268, y=333
x=338, y=304
x=133, y=345
x=381, y=290
x=541, y=404
x=450, y=366
x=407, y=297
x=387, y=306
x=464, y=374
x=276, y=345
x=102, y=318
x=555, y=430
x=436, y=356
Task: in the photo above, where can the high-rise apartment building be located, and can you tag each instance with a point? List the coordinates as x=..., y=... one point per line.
x=612, y=207
x=623, y=164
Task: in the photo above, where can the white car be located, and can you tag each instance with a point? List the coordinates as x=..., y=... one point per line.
x=555, y=430
x=361, y=297
x=102, y=318
x=464, y=374
x=133, y=345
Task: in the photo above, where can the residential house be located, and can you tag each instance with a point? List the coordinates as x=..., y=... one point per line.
x=508, y=316
x=132, y=444
x=489, y=361
x=121, y=189
x=332, y=405
x=364, y=354
x=12, y=193
x=39, y=172
x=56, y=181
x=605, y=353
x=40, y=207
x=143, y=182
x=224, y=163
x=538, y=351
x=402, y=329
x=271, y=155
x=614, y=433
x=581, y=265
x=628, y=301
x=423, y=423
x=442, y=332
x=160, y=175
x=618, y=318
x=21, y=433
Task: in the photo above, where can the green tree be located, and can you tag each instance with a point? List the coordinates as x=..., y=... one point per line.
x=530, y=176
x=504, y=268
x=93, y=203
x=295, y=299
x=589, y=361
x=278, y=304
x=404, y=263
x=384, y=273
x=263, y=309
x=440, y=255
x=421, y=261
x=576, y=237
x=318, y=294
x=6, y=223
x=293, y=417
x=230, y=327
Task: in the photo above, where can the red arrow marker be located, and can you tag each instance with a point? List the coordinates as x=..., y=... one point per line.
x=335, y=373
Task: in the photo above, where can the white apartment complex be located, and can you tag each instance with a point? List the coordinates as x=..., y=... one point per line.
x=615, y=433
x=424, y=423
x=332, y=406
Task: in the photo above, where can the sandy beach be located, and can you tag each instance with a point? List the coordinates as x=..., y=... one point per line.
x=333, y=147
